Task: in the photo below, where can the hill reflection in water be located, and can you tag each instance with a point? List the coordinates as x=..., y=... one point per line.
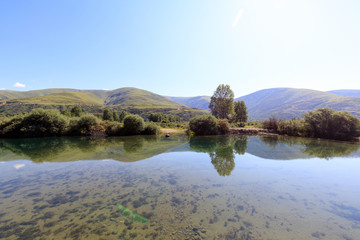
x=221, y=149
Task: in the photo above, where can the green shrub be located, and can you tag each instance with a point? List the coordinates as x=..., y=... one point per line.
x=107, y=115
x=133, y=124
x=38, y=123
x=271, y=124
x=11, y=128
x=223, y=126
x=204, y=125
x=76, y=111
x=113, y=128
x=151, y=129
x=83, y=125
x=331, y=124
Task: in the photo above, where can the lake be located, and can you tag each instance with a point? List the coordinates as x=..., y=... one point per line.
x=147, y=187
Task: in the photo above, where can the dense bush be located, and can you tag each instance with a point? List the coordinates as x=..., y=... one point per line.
x=204, y=125
x=42, y=123
x=327, y=123
x=11, y=128
x=320, y=123
x=38, y=123
x=223, y=126
x=271, y=124
x=113, y=128
x=151, y=129
x=292, y=127
x=133, y=124
x=83, y=125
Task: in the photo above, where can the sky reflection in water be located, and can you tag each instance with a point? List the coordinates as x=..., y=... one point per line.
x=197, y=188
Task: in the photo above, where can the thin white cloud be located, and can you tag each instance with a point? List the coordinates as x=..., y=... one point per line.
x=18, y=166
x=2, y=88
x=237, y=18
x=19, y=85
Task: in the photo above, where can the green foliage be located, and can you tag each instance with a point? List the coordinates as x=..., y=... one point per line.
x=113, y=128
x=221, y=103
x=241, y=114
x=151, y=129
x=223, y=126
x=327, y=123
x=321, y=123
x=204, y=125
x=271, y=124
x=76, y=111
x=66, y=112
x=84, y=124
x=107, y=115
x=38, y=123
x=116, y=116
x=133, y=124
x=163, y=118
x=292, y=127
x=122, y=115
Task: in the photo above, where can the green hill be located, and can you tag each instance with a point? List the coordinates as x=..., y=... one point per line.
x=62, y=98
x=134, y=97
x=7, y=94
x=201, y=102
x=93, y=100
x=291, y=102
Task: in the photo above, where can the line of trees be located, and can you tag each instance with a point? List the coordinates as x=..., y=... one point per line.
x=222, y=105
x=320, y=123
x=47, y=123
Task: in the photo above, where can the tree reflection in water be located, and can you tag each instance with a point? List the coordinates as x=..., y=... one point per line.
x=221, y=149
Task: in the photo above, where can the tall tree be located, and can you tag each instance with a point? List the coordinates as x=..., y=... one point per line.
x=115, y=116
x=76, y=111
x=107, y=115
x=221, y=103
x=241, y=114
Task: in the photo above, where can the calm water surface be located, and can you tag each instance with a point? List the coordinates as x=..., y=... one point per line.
x=179, y=188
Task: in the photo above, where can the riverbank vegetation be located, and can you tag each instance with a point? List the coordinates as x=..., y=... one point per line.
x=321, y=123
x=224, y=111
x=48, y=123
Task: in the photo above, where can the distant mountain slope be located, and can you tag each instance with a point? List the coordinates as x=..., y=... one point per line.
x=201, y=102
x=7, y=94
x=290, y=102
x=138, y=98
x=347, y=92
x=131, y=97
x=61, y=98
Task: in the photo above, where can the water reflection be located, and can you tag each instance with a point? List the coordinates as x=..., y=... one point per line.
x=179, y=195
x=221, y=149
x=307, y=148
x=125, y=149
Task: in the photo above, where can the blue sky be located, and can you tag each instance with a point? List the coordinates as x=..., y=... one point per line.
x=180, y=48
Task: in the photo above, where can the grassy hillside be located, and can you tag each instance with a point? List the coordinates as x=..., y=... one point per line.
x=62, y=98
x=138, y=98
x=290, y=102
x=347, y=92
x=201, y=102
x=129, y=97
x=7, y=94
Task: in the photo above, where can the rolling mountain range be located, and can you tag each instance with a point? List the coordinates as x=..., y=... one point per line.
x=129, y=97
x=278, y=102
x=288, y=102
